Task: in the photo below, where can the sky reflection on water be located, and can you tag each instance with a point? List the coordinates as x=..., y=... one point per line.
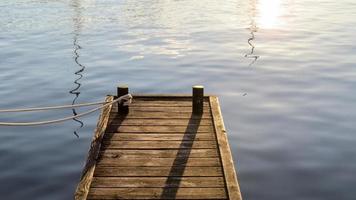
x=284, y=72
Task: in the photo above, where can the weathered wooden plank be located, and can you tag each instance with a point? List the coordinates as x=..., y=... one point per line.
x=159, y=162
x=109, y=134
x=168, y=100
x=158, y=136
x=160, y=129
x=166, y=97
x=158, y=151
x=157, y=193
x=157, y=171
x=225, y=152
x=162, y=108
x=166, y=153
x=161, y=104
x=164, y=102
x=157, y=182
x=160, y=122
x=159, y=144
x=160, y=115
x=88, y=171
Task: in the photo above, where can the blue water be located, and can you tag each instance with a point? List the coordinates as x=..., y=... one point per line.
x=285, y=72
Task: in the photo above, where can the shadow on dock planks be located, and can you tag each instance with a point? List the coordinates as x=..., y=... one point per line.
x=160, y=147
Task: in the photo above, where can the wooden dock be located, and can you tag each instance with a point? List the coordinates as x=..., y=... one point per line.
x=158, y=148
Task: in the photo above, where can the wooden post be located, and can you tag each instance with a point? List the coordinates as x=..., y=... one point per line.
x=122, y=90
x=198, y=99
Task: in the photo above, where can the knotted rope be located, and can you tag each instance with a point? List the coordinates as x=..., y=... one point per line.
x=126, y=100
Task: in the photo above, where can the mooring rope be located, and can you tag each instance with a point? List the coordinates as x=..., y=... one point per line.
x=126, y=101
x=52, y=107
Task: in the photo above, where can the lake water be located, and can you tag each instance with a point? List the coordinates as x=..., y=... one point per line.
x=285, y=72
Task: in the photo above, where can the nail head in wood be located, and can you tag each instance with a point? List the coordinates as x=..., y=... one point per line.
x=198, y=99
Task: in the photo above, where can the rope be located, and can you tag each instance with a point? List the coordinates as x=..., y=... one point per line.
x=126, y=101
x=52, y=107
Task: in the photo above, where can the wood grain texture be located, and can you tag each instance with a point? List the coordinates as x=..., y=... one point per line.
x=159, y=162
x=156, y=193
x=88, y=171
x=159, y=144
x=165, y=100
x=158, y=137
x=157, y=182
x=160, y=115
x=166, y=97
x=225, y=152
x=160, y=122
x=160, y=150
x=161, y=129
x=164, y=103
x=163, y=108
x=157, y=172
x=166, y=153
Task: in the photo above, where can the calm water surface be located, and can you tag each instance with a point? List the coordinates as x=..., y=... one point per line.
x=284, y=71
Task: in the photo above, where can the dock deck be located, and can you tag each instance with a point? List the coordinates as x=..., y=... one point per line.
x=160, y=149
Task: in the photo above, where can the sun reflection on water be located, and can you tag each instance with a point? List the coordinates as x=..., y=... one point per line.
x=269, y=13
